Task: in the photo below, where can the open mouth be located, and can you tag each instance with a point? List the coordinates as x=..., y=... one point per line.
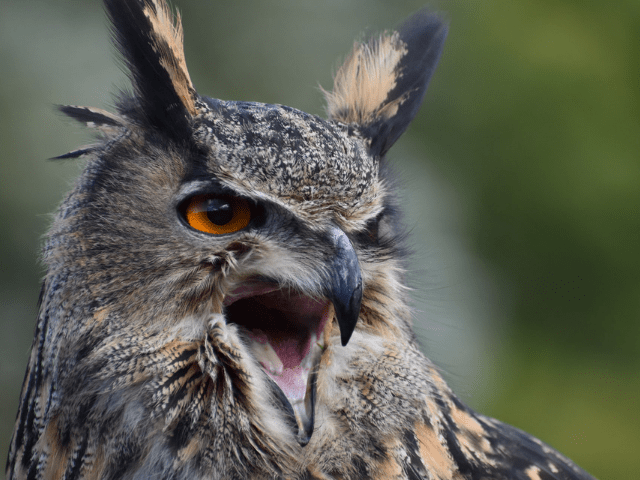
x=284, y=327
x=285, y=333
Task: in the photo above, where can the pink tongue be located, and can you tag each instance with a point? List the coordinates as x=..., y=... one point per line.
x=288, y=369
x=289, y=351
x=292, y=345
x=285, y=344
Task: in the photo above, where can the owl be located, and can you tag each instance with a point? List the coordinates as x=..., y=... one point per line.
x=225, y=295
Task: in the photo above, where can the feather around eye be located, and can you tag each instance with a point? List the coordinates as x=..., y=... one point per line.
x=217, y=215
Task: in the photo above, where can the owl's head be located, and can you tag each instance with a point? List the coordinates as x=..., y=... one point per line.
x=279, y=222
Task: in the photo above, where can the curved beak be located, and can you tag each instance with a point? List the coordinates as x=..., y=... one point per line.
x=344, y=284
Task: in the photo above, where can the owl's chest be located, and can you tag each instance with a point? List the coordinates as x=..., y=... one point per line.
x=223, y=416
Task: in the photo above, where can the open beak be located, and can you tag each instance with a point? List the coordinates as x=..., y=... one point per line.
x=284, y=328
x=344, y=284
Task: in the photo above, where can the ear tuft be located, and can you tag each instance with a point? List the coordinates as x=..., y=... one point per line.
x=151, y=42
x=362, y=84
x=382, y=83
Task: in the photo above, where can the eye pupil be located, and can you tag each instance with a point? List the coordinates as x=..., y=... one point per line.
x=219, y=211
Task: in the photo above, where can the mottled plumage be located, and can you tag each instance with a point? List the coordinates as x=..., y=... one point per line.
x=225, y=292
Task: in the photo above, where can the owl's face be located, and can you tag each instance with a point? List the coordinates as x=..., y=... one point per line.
x=289, y=193
x=272, y=222
x=272, y=218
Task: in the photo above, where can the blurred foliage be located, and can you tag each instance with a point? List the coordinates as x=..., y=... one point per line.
x=530, y=128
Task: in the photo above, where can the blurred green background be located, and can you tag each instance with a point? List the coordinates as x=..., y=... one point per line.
x=521, y=176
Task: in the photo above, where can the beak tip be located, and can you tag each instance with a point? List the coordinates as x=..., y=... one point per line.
x=348, y=318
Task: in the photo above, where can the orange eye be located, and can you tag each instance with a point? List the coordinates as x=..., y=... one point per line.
x=218, y=215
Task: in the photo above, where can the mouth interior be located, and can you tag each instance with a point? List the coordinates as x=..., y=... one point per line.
x=284, y=329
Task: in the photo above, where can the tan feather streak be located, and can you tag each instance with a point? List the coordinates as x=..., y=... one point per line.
x=435, y=455
x=168, y=42
x=362, y=84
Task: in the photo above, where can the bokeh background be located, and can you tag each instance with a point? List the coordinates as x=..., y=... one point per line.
x=521, y=176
